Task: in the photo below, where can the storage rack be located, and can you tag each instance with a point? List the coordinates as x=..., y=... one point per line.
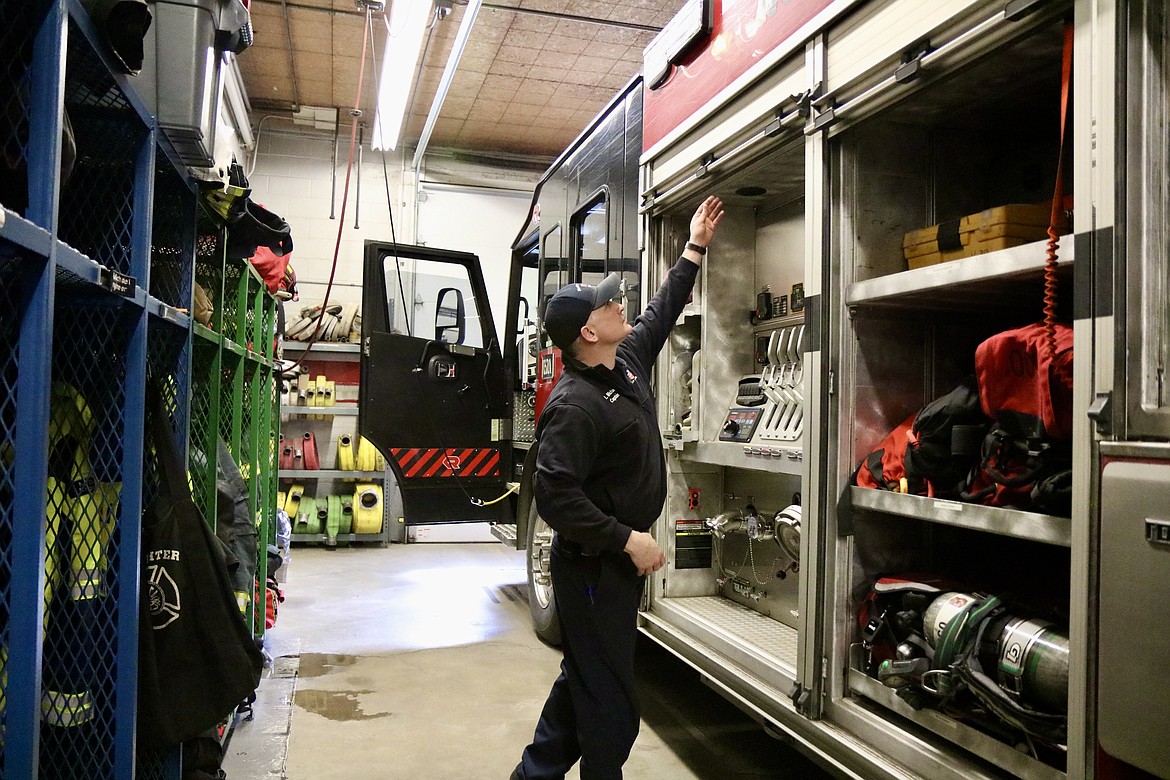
x=95, y=282
x=334, y=353
x=902, y=337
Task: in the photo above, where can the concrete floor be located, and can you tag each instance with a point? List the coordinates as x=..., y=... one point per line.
x=418, y=661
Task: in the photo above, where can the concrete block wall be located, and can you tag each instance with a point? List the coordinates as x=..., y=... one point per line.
x=294, y=176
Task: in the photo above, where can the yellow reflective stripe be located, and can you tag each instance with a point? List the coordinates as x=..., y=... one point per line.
x=66, y=709
x=87, y=584
x=93, y=518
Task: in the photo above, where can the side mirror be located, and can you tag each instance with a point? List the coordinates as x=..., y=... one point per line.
x=450, y=319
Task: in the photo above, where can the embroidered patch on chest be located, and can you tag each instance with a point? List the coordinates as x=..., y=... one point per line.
x=631, y=376
x=612, y=395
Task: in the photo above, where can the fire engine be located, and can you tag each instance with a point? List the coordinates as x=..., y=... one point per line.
x=905, y=182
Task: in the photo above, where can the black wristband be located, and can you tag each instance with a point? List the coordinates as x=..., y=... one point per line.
x=696, y=248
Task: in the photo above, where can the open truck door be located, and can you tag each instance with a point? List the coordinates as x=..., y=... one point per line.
x=433, y=396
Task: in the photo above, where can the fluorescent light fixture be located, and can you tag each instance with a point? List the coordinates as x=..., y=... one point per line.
x=469, y=13
x=405, y=27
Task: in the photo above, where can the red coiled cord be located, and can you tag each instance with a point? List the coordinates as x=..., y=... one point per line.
x=1055, y=219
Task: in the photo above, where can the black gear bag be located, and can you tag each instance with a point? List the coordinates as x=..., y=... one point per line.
x=197, y=659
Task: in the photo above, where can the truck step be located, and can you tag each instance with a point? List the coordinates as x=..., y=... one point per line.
x=505, y=532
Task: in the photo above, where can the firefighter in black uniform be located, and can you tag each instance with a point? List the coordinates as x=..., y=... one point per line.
x=600, y=483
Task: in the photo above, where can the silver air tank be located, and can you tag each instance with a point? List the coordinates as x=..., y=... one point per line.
x=1032, y=663
x=1029, y=656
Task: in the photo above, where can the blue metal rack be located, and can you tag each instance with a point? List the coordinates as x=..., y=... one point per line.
x=99, y=251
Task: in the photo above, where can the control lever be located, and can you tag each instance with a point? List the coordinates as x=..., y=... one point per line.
x=798, y=362
x=792, y=381
x=768, y=378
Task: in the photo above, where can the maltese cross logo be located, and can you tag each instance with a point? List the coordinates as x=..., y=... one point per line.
x=164, y=598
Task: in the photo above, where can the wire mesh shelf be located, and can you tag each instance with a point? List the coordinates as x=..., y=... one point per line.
x=97, y=196
x=172, y=233
x=10, y=318
x=83, y=595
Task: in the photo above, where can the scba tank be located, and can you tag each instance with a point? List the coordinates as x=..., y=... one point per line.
x=1030, y=655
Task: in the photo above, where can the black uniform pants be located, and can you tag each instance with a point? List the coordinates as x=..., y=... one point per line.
x=591, y=713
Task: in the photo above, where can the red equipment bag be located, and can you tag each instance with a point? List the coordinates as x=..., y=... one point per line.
x=1017, y=374
x=931, y=452
x=1026, y=457
x=273, y=597
x=271, y=267
x=885, y=467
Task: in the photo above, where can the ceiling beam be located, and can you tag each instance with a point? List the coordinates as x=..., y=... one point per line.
x=316, y=8
x=494, y=6
x=573, y=17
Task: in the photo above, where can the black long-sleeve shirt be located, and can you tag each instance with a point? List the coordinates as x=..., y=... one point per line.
x=600, y=467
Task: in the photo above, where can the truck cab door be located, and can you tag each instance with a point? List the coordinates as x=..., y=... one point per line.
x=433, y=393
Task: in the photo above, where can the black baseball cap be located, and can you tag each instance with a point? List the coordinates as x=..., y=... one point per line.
x=569, y=309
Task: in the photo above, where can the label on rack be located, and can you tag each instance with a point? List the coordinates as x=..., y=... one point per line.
x=117, y=282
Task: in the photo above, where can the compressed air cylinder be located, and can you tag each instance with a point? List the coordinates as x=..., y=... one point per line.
x=941, y=611
x=1032, y=662
x=1029, y=656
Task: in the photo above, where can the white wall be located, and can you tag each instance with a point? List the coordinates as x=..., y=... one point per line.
x=292, y=177
x=483, y=222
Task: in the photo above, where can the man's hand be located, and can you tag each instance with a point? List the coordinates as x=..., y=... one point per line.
x=645, y=552
x=707, y=217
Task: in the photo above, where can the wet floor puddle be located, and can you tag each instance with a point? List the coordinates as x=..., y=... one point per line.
x=335, y=705
x=319, y=664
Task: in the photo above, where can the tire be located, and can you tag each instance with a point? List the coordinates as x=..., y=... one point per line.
x=541, y=603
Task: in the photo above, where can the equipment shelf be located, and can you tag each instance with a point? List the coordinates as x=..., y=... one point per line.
x=996, y=279
x=324, y=539
x=330, y=422
x=771, y=458
x=21, y=232
x=340, y=411
x=1032, y=526
x=167, y=312
x=329, y=474
x=321, y=346
x=1004, y=756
